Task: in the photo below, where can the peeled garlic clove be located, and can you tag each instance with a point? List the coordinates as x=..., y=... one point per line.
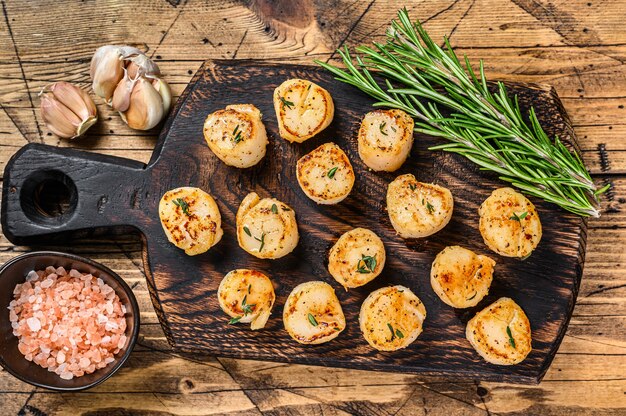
x=166, y=93
x=67, y=110
x=121, y=96
x=146, y=106
x=106, y=70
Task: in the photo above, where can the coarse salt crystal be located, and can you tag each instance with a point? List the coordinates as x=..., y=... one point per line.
x=33, y=324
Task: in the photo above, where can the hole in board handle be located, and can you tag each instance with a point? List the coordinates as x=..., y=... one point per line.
x=48, y=197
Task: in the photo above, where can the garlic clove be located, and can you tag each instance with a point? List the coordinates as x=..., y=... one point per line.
x=76, y=99
x=67, y=110
x=106, y=70
x=141, y=64
x=58, y=118
x=166, y=93
x=121, y=96
x=146, y=106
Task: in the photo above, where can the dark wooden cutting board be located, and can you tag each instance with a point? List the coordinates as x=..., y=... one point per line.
x=108, y=194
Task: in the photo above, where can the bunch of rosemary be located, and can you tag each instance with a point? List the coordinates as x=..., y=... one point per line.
x=420, y=78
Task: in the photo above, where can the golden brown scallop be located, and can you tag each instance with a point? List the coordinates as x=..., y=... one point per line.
x=236, y=135
x=418, y=209
x=509, y=223
x=266, y=228
x=385, y=139
x=313, y=314
x=191, y=219
x=500, y=333
x=247, y=296
x=356, y=258
x=325, y=174
x=460, y=277
x=303, y=109
x=391, y=318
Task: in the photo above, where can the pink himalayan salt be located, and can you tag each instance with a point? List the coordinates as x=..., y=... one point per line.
x=68, y=322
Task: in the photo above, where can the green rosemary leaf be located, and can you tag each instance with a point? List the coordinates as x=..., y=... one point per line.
x=235, y=320
x=519, y=217
x=331, y=173
x=430, y=207
x=274, y=209
x=382, y=128
x=511, y=339
x=366, y=264
x=393, y=334
x=399, y=334
x=286, y=103
x=247, y=231
x=180, y=202
x=312, y=320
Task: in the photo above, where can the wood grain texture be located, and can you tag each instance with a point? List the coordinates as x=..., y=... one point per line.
x=118, y=193
x=55, y=41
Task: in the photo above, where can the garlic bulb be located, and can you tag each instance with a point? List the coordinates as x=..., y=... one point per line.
x=67, y=110
x=130, y=83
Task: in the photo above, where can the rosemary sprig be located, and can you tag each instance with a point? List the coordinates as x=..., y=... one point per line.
x=423, y=78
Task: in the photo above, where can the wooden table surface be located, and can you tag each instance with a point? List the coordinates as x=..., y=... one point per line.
x=577, y=46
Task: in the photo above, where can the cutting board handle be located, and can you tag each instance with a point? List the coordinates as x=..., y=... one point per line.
x=51, y=193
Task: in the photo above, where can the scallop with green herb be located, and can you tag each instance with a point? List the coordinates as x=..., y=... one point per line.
x=418, y=209
x=509, y=223
x=500, y=333
x=460, y=277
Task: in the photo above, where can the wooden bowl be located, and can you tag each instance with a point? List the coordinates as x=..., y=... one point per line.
x=13, y=272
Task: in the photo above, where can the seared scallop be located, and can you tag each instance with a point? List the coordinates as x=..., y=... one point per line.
x=312, y=313
x=325, y=174
x=509, y=223
x=500, y=333
x=266, y=228
x=191, y=219
x=460, y=277
x=385, y=139
x=418, y=209
x=247, y=296
x=303, y=109
x=391, y=318
x=356, y=258
x=236, y=135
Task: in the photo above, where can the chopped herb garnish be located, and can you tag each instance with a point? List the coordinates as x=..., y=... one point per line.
x=381, y=128
x=519, y=217
x=274, y=209
x=412, y=186
x=430, y=207
x=249, y=287
x=473, y=296
x=179, y=202
x=247, y=230
x=393, y=128
x=286, y=103
x=331, y=173
x=247, y=309
x=399, y=334
x=393, y=334
x=367, y=264
x=511, y=339
x=312, y=320
x=237, y=134
x=309, y=87
x=262, y=241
